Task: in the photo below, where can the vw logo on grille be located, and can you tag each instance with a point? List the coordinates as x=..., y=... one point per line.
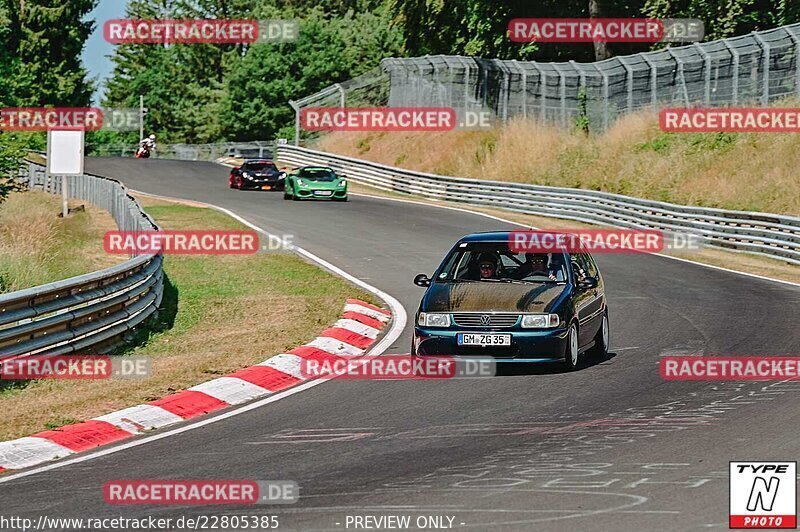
x=486, y=319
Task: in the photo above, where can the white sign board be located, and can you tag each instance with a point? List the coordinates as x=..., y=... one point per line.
x=65, y=151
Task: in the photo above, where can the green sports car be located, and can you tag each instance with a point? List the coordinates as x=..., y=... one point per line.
x=315, y=182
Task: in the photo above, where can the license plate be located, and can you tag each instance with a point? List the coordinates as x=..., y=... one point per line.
x=483, y=339
x=266, y=187
x=323, y=192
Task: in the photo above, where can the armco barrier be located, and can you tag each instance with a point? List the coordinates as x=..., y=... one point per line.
x=88, y=311
x=774, y=235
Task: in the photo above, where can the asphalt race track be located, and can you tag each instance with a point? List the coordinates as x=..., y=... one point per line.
x=609, y=447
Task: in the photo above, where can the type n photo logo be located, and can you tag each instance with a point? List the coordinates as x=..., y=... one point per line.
x=763, y=495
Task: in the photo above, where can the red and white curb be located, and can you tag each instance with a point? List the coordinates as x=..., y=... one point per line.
x=350, y=336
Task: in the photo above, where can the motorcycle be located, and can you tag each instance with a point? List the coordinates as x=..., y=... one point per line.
x=143, y=152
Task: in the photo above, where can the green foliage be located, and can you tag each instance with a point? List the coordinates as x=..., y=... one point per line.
x=42, y=43
x=11, y=153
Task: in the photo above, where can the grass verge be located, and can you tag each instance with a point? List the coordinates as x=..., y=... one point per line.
x=219, y=314
x=37, y=247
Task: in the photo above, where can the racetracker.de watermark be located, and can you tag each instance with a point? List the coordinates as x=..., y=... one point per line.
x=739, y=119
x=398, y=367
x=584, y=30
x=194, y=242
x=723, y=368
x=200, y=492
x=74, y=367
x=87, y=118
x=197, y=31
x=601, y=241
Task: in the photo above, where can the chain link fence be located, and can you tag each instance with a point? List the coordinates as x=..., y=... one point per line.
x=190, y=152
x=758, y=68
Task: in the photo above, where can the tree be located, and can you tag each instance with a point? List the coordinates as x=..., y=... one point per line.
x=46, y=38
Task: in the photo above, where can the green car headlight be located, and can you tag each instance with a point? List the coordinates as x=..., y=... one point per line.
x=343, y=183
x=301, y=183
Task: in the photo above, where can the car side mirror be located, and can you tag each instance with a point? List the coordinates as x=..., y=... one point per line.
x=588, y=282
x=422, y=280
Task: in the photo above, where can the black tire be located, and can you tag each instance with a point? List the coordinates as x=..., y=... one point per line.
x=602, y=339
x=572, y=352
x=286, y=195
x=294, y=196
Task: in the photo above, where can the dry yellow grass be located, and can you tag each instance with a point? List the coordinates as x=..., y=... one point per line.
x=219, y=314
x=743, y=171
x=36, y=246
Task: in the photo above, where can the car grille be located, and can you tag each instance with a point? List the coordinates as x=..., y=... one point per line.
x=477, y=319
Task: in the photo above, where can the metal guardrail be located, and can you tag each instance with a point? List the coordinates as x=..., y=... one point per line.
x=773, y=235
x=190, y=152
x=90, y=311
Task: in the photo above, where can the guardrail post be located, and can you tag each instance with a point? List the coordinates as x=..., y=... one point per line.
x=765, y=50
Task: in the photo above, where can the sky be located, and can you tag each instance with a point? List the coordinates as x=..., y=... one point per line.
x=97, y=51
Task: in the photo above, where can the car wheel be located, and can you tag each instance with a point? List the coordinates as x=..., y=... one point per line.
x=286, y=195
x=602, y=339
x=295, y=197
x=571, y=354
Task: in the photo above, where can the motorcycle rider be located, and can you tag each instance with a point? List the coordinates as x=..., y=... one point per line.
x=148, y=145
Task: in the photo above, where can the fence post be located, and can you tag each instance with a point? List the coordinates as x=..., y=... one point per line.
x=629, y=79
x=562, y=80
x=653, y=80
x=543, y=95
x=735, y=67
x=796, y=40
x=679, y=63
x=524, y=76
x=706, y=73
x=764, y=67
x=341, y=94
x=605, y=94
x=296, y=122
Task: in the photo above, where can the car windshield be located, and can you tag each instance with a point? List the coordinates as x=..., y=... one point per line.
x=259, y=167
x=317, y=174
x=495, y=262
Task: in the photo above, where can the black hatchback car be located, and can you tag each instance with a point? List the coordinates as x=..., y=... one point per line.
x=486, y=300
x=257, y=174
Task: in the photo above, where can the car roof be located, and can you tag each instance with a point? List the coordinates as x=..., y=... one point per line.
x=492, y=236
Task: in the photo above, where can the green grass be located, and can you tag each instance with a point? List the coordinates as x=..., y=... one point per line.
x=218, y=314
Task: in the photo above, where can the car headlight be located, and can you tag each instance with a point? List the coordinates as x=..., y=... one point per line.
x=246, y=175
x=540, y=321
x=427, y=319
x=343, y=183
x=301, y=182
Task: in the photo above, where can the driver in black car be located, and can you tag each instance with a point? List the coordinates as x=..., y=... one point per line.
x=536, y=264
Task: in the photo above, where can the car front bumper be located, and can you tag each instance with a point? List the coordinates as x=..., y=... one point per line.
x=304, y=193
x=527, y=345
x=260, y=184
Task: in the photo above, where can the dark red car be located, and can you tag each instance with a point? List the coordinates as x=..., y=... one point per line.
x=257, y=174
